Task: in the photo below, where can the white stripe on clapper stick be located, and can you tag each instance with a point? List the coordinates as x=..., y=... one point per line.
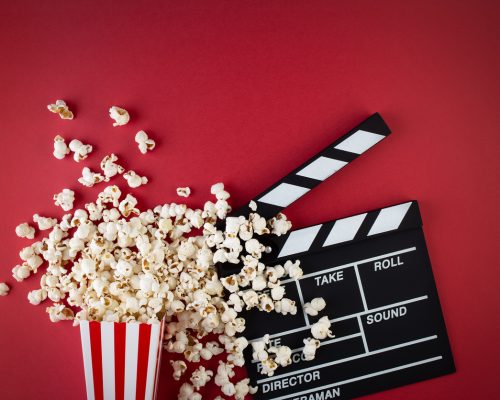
x=322, y=168
x=283, y=195
x=359, y=142
x=131, y=352
x=389, y=218
x=152, y=358
x=108, y=359
x=344, y=229
x=87, y=359
x=299, y=241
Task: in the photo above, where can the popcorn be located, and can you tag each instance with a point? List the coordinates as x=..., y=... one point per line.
x=21, y=272
x=90, y=178
x=60, y=108
x=293, y=269
x=35, y=297
x=134, y=180
x=183, y=191
x=81, y=151
x=24, y=230
x=252, y=205
x=283, y=355
x=179, y=368
x=119, y=115
x=200, y=377
x=65, y=199
x=309, y=350
x=44, y=223
x=110, y=168
x=60, y=148
x=321, y=329
x=114, y=262
x=317, y=304
x=144, y=142
x=4, y=289
x=187, y=392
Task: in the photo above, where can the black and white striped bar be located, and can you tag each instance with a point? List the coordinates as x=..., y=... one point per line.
x=342, y=231
x=320, y=167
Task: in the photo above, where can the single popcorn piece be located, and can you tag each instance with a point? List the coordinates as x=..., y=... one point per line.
x=90, y=178
x=60, y=108
x=317, y=304
x=35, y=297
x=61, y=150
x=134, y=180
x=44, y=223
x=81, y=151
x=24, y=230
x=110, y=167
x=200, y=377
x=65, y=199
x=4, y=289
x=321, y=329
x=183, y=191
x=179, y=368
x=252, y=205
x=119, y=115
x=310, y=347
x=144, y=142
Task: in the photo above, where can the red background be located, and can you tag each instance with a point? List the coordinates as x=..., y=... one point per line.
x=242, y=92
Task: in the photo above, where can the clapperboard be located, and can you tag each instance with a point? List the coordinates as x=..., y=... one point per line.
x=374, y=272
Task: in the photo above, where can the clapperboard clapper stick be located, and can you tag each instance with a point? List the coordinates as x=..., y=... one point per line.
x=374, y=272
x=314, y=171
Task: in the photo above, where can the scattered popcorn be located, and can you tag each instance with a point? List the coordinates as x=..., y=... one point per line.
x=90, y=178
x=24, y=230
x=65, y=199
x=317, y=304
x=134, y=180
x=309, y=350
x=119, y=115
x=110, y=168
x=321, y=329
x=60, y=108
x=81, y=151
x=61, y=150
x=4, y=289
x=187, y=392
x=183, y=191
x=144, y=142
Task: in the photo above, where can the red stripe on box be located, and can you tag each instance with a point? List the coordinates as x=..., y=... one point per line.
x=142, y=360
x=120, y=337
x=95, y=344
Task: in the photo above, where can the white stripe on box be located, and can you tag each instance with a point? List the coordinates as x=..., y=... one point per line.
x=152, y=358
x=359, y=142
x=131, y=353
x=389, y=218
x=283, y=195
x=299, y=240
x=87, y=359
x=321, y=168
x=344, y=229
x=108, y=359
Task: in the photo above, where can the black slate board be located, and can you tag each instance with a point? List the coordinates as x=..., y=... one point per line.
x=373, y=276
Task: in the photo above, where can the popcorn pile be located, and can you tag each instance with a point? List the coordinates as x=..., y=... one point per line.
x=111, y=261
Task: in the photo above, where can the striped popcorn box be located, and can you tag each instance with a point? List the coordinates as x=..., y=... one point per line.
x=121, y=360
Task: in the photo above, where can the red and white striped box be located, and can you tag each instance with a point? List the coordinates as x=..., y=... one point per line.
x=121, y=360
